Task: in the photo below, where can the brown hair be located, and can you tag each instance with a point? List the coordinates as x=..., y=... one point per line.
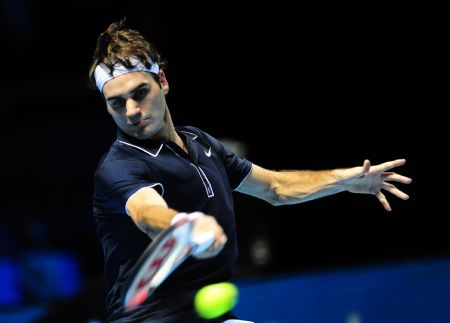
x=117, y=44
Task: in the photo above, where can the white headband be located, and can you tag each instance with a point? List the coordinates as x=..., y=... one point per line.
x=102, y=74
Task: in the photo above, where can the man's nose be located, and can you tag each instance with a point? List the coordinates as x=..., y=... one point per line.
x=132, y=108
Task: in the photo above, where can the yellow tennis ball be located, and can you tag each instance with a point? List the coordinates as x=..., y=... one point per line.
x=215, y=300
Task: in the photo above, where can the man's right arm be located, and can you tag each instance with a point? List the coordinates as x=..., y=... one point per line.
x=149, y=211
x=151, y=214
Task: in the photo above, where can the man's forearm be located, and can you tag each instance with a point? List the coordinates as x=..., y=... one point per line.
x=153, y=218
x=292, y=187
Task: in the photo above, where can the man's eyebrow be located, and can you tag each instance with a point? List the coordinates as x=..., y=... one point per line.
x=141, y=85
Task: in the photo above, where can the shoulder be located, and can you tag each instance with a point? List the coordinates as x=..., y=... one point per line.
x=119, y=159
x=199, y=135
x=194, y=131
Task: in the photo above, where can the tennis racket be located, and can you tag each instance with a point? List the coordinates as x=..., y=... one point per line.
x=164, y=254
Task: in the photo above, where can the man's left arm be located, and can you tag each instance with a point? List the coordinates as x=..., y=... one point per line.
x=292, y=187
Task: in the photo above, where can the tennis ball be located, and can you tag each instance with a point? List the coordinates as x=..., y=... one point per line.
x=214, y=300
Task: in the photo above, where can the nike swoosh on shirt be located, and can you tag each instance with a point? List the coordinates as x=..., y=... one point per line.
x=208, y=153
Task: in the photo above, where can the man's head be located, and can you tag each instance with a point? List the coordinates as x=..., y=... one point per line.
x=127, y=70
x=120, y=45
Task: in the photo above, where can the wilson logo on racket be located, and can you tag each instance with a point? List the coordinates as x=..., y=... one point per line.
x=157, y=262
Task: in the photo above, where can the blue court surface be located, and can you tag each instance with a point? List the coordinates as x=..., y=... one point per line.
x=406, y=292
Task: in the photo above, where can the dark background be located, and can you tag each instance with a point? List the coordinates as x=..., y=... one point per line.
x=303, y=87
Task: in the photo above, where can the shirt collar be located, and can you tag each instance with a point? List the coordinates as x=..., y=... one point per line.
x=149, y=146
x=191, y=135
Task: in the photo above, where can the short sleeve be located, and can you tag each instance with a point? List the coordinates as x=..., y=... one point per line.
x=116, y=181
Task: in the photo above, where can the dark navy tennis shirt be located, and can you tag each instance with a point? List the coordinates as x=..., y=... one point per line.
x=202, y=180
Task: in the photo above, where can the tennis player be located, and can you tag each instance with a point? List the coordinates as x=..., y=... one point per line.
x=155, y=173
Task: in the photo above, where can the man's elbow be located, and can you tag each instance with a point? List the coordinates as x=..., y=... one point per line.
x=283, y=197
x=276, y=197
x=278, y=200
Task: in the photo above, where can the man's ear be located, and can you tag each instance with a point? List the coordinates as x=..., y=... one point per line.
x=163, y=81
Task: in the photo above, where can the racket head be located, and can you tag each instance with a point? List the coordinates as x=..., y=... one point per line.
x=164, y=254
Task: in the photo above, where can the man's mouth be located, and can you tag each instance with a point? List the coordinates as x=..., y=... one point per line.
x=140, y=122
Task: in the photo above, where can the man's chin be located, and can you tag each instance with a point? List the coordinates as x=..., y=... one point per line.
x=143, y=133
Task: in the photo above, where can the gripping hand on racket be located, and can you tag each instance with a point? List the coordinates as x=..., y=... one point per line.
x=151, y=214
x=205, y=228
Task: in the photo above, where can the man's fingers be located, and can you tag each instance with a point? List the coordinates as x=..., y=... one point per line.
x=218, y=245
x=395, y=191
x=388, y=165
x=390, y=176
x=366, y=166
x=214, y=250
x=208, y=223
x=223, y=239
x=380, y=196
x=219, y=242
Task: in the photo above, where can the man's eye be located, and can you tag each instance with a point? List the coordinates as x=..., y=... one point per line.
x=141, y=93
x=117, y=103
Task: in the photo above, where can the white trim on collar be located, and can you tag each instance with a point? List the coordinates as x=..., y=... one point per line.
x=191, y=134
x=142, y=149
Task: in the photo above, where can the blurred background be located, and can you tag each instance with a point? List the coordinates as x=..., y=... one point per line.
x=288, y=86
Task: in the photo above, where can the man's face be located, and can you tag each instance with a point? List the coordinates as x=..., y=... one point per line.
x=137, y=104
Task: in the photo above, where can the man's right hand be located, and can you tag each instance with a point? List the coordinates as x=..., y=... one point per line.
x=204, y=224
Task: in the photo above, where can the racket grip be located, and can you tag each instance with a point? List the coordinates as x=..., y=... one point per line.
x=202, y=242
x=189, y=216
